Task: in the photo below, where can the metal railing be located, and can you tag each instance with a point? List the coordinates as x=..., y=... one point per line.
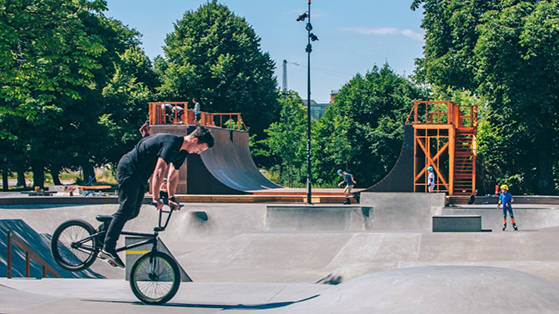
x=29, y=254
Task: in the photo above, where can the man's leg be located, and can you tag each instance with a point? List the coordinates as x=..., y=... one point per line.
x=347, y=193
x=128, y=195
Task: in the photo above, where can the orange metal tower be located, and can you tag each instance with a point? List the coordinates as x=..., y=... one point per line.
x=444, y=139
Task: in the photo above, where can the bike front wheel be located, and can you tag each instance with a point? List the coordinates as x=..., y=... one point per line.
x=155, y=278
x=74, y=245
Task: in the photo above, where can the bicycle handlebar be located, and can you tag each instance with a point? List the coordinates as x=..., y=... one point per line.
x=161, y=211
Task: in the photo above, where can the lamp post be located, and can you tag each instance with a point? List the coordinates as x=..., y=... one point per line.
x=308, y=49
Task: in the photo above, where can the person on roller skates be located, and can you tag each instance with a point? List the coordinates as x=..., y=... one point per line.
x=506, y=200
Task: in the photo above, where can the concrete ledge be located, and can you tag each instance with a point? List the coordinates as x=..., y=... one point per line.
x=457, y=223
x=315, y=218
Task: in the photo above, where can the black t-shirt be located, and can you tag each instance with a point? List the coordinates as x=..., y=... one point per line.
x=140, y=162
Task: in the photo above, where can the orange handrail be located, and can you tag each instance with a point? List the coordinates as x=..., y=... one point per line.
x=434, y=115
x=29, y=253
x=158, y=116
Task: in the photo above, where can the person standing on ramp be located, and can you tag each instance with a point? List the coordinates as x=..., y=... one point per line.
x=150, y=158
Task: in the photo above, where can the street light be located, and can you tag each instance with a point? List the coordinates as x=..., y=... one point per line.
x=308, y=50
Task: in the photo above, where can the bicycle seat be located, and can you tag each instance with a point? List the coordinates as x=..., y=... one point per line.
x=104, y=218
x=158, y=229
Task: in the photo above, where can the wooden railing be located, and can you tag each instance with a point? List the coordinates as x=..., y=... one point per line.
x=29, y=254
x=176, y=113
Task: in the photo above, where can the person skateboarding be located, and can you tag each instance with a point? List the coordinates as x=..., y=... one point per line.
x=150, y=158
x=506, y=200
x=350, y=182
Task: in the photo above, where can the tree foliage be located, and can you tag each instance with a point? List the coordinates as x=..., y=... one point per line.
x=506, y=52
x=55, y=58
x=362, y=131
x=215, y=56
x=126, y=96
x=286, y=141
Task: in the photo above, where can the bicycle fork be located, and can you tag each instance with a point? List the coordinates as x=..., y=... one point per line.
x=152, y=261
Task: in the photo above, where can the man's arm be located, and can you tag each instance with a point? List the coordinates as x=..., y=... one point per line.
x=157, y=179
x=172, y=181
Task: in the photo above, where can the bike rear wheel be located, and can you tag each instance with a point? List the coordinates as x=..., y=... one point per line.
x=74, y=246
x=155, y=278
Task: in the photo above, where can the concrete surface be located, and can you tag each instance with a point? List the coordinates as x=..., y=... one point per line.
x=260, y=259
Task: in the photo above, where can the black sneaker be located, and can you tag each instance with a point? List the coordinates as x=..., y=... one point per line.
x=347, y=202
x=504, y=227
x=112, y=257
x=515, y=227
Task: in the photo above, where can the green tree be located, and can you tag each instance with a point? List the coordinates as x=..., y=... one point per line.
x=362, y=131
x=55, y=58
x=504, y=51
x=286, y=141
x=215, y=56
x=126, y=96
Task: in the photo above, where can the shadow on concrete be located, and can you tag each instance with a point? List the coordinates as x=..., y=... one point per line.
x=264, y=306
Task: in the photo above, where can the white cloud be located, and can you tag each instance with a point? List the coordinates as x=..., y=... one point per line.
x=413, y=35
x=384, y=31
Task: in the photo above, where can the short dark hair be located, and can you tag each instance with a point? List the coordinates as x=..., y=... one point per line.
x=203, y=135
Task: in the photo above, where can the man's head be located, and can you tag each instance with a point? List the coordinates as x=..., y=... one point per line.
x=200, y=140
x=430, y=169
x=340, y=172
x=504, y=188
x=194, y=100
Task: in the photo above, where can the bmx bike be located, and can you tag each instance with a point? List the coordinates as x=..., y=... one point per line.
x=154, y=277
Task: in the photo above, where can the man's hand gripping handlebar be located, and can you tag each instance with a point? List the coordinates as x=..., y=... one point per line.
x=171, y=202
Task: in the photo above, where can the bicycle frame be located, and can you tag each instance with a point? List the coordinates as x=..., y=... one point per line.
x=150, y=238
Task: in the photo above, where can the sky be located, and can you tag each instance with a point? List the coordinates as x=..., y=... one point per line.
x=354, y=35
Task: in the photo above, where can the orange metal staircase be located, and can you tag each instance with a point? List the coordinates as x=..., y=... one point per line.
x=464, y=162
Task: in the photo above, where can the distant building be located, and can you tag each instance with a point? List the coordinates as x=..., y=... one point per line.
x=318, y=110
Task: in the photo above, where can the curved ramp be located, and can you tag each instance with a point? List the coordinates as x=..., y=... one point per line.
x=400, y=178
x=231, y=163
x=436, y=290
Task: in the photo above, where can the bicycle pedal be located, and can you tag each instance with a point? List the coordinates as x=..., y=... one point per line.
x=111, y=263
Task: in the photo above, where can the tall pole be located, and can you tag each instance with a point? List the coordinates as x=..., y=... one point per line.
x=309, y=49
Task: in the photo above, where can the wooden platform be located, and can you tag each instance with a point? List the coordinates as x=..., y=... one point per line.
x=280, y=195
x=277, y=199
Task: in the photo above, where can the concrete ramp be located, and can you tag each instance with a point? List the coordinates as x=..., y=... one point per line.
x=40, y=244
x=433, y=290
x=400, y=178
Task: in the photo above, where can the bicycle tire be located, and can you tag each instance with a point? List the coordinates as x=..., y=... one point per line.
x=161, y=285
x=74, y=258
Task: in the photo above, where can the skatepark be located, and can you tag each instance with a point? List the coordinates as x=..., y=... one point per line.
x=246, y=245
x=380, y=256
